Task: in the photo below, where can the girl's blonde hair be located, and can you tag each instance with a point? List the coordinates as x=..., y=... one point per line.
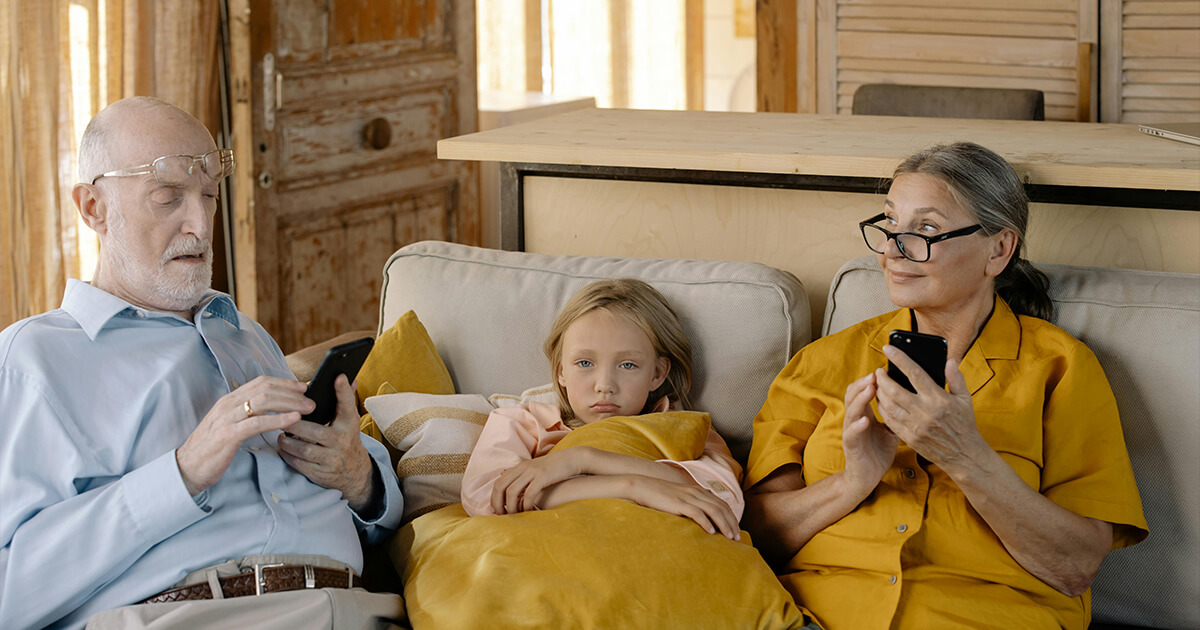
x=643, y=305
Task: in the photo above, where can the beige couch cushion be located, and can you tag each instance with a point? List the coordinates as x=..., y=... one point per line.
x=489, y=312
x=1145, y=329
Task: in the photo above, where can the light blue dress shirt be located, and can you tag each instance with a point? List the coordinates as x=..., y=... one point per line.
x=94, y=399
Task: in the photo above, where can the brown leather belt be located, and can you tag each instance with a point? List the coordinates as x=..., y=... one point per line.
x=265, y=578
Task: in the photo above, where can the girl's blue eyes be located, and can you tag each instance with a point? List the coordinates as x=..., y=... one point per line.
x=628, y=365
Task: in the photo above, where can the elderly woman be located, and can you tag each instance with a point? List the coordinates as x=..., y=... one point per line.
x=990, y=503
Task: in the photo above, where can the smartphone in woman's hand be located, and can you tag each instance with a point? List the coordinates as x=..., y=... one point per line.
x=929, y=352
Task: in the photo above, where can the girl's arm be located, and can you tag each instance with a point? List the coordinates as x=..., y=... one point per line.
x=687, y=500
x=715, y=471
x=512, y=435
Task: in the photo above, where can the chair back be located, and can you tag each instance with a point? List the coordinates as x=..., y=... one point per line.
x=886, y=99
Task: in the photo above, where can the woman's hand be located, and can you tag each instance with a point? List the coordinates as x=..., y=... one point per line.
x=518, y=488
x=937, y=424
x=869, y=446
x=685, y=499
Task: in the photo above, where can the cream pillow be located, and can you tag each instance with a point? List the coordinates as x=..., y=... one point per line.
x=434, y=435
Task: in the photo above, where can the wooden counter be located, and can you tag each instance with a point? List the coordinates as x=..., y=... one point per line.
x=789, y=189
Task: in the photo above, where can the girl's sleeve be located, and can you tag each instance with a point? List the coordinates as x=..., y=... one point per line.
x=718, y=472
x=509, y=437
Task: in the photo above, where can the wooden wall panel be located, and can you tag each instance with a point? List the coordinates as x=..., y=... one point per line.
x=1027, y=44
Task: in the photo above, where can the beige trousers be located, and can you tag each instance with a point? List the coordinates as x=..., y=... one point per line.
x=333, y=608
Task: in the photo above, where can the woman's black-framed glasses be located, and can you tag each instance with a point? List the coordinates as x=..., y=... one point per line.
x=913, y=246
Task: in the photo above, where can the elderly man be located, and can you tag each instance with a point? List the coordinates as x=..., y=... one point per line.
x=151, y=446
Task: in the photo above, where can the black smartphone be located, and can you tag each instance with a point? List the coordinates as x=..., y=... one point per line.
x=344, y=359
x=929, y=351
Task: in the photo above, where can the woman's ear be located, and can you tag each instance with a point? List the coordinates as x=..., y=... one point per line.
x=662, y=367
x=1003, y=249
x=91, y=206
x=558, y=375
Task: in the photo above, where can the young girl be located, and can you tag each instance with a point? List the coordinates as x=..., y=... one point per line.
x=617, y=349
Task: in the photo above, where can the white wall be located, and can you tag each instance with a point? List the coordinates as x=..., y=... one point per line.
x=728, y=61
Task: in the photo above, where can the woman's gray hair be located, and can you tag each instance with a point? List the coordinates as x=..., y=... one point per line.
x=989, y=189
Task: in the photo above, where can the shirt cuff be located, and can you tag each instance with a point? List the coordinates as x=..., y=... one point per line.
x=388, y=518
x=158, y=500
x=723, y=486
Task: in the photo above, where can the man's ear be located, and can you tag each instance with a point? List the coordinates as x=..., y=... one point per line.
x=662, y=367
x=1003, y=249
x=92, y=206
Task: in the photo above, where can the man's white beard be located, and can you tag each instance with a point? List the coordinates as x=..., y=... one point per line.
x=178, y=289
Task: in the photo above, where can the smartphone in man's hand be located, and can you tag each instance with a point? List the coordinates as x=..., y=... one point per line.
x=929, y=352
x=344, y=359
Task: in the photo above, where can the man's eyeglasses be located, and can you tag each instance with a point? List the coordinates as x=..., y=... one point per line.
x=913, y=246
x=173, y=170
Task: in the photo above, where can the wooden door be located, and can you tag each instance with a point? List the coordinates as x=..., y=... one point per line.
x=349, y=100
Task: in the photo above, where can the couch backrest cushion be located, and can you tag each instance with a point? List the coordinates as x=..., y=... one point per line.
x=1145, y=329
x=489, y=311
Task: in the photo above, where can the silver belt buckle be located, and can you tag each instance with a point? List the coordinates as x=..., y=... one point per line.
x=310, y=577
x=259, y=584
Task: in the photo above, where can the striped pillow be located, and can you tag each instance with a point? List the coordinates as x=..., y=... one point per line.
x=435, y=435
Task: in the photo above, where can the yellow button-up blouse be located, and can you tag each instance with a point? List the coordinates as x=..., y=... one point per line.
x=915, y=554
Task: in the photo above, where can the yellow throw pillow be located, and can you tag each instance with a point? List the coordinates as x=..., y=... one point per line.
x=597, y=563
x=674, y=435
x=405, y=357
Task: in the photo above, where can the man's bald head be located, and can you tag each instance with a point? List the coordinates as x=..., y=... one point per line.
x=135, y=131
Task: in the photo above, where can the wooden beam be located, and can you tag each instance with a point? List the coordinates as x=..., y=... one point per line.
x=693, y=36
x=775, y=55
x=1083, y=83
x=533, y=45
x=245, y=270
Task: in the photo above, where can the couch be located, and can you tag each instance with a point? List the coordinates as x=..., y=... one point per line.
x=487, y=311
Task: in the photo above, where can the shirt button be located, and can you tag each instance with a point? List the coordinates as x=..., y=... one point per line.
x=234, y=384
x=902, y=528
x=254, y=448
x=892, y=580
x=910, y=473
x=275, y=497
x=141, y=314
x=208, y=313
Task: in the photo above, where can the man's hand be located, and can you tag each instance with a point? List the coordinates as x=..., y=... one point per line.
x=333, y=456
x=277, y=403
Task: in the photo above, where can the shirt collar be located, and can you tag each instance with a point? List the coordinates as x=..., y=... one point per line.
x=1000, y=339
x=94, y=308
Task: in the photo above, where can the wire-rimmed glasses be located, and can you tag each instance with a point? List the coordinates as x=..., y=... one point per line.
x=173, y=170
x=913, y=246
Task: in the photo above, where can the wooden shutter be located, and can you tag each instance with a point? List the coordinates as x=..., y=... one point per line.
x=1150, y=65
x=1029, y=44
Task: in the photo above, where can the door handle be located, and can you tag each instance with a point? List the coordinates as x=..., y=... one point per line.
x=377, y=134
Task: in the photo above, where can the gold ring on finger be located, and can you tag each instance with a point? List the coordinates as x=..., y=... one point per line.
x=248, y=409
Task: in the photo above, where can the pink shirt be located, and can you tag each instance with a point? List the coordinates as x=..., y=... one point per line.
x=515, y=434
